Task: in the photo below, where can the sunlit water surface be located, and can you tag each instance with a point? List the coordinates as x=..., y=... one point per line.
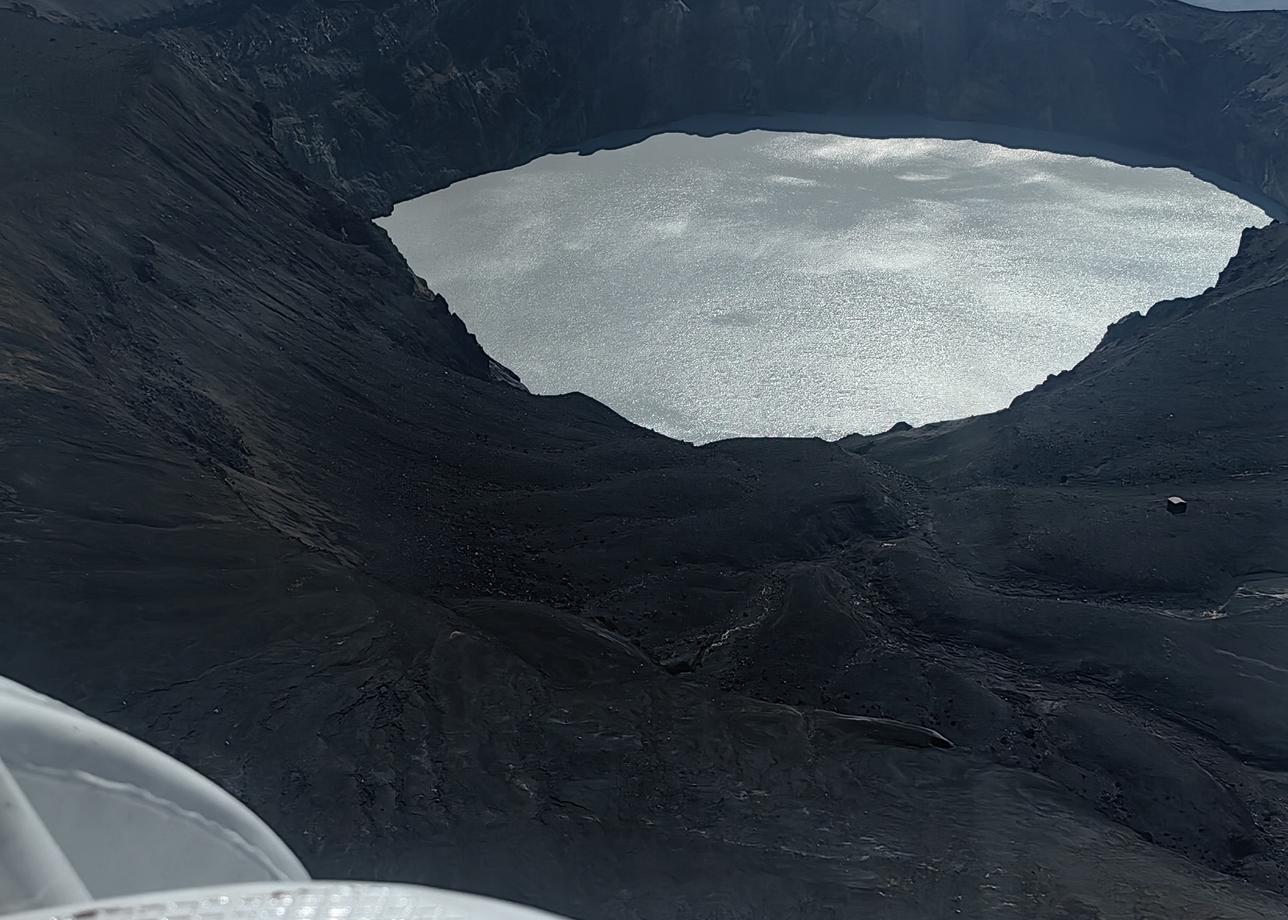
x=770, y=283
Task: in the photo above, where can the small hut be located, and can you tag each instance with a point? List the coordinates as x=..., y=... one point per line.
x=1177, y=505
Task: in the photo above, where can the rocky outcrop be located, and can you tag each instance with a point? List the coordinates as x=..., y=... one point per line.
x=265, y=503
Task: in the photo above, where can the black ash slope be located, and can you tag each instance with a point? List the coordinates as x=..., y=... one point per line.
x=266, y=503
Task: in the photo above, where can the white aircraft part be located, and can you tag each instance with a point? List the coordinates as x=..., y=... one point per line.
x=128, y=818
x=317, y=901
x=33, y=870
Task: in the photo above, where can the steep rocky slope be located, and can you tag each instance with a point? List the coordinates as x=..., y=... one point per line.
x=394, y=99
x=266, y=503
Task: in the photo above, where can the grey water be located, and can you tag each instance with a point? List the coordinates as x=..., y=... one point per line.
x=805, y=283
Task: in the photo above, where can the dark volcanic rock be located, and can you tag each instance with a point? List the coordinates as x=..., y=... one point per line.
x=266, y=503
x=387, y=100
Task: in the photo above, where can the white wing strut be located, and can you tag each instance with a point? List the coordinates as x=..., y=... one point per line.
x=33, y=870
